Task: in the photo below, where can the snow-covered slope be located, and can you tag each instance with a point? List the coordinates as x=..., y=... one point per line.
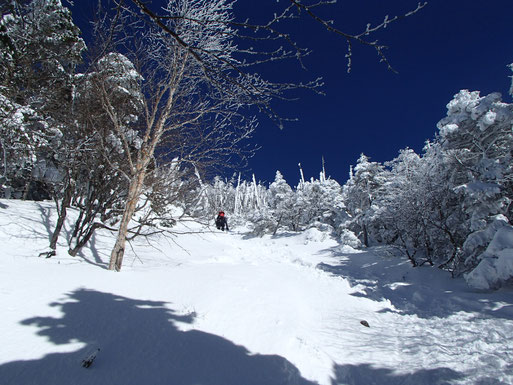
x=207, y=307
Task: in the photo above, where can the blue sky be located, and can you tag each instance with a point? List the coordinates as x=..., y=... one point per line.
x=449, y=45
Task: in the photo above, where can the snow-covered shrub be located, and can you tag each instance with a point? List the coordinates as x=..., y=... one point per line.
x=262, y=222
x=417, y=208
x=445, y=206
x=319, y=202
x=496, y=262
x=349, y=238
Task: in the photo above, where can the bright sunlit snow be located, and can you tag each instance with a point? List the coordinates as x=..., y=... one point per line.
x=208, y=307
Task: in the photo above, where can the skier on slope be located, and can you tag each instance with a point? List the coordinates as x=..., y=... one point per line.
x=221, y=222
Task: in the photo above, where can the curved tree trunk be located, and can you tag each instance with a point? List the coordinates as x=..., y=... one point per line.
x=62, y=212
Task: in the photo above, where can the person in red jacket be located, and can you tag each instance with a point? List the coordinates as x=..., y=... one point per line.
x=221, y=222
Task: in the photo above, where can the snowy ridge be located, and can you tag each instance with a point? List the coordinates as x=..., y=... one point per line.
x=223, y=308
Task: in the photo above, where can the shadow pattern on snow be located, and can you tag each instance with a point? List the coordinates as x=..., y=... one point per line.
x=23, y=226
x=140, y=344
x=380, y=274
x=366, y=374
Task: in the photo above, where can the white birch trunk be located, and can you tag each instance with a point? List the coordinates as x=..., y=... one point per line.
x=237, y=198
x=302, y=180
x=257, y=198
x=134, y=192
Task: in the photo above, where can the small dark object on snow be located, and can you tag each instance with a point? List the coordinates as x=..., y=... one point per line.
x=87, y=362
x=365, y=323
x=48, y=254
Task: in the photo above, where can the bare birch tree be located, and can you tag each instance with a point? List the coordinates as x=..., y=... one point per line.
x=189, y=110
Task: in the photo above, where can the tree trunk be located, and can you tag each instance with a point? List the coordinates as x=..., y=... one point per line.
x=26, y=191
x=365, y=236
x=66, y=200
x=277, y=225
x=134, y=192
x=82, y=242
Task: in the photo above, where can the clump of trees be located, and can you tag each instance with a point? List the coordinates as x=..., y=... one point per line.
x=446, y=206
x=278, y=207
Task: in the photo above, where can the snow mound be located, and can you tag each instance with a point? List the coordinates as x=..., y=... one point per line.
x=315, y=235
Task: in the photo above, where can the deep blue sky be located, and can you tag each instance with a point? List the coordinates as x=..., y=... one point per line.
x=449, y=45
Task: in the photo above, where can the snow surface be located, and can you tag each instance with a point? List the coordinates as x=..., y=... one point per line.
x=208, y=307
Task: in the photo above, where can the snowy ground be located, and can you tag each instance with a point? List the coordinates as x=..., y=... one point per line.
x=227, y=309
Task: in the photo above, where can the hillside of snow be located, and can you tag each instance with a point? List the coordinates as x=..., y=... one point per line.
x=207, y=307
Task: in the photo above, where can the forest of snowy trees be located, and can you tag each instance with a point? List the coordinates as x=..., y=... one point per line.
x=139, y=129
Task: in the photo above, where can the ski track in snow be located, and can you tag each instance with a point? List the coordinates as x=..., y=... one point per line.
x=226, y=308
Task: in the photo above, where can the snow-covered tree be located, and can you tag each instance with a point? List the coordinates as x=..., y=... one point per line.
x=41, y=47
x=23, y=135
x=39, y=50
x=318, y=201
x=477, y=135
x=281, y=202
x=364, y=186
x=419, y=209
x=274, y=209
x=97, y=183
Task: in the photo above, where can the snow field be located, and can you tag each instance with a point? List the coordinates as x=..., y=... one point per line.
x=225, y=308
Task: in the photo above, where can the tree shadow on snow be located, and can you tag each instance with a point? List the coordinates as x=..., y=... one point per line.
x=22, y=226
x=46, y=214
x=96, y=258
x=140, y=344
x=368, y=375
x=380, y=274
